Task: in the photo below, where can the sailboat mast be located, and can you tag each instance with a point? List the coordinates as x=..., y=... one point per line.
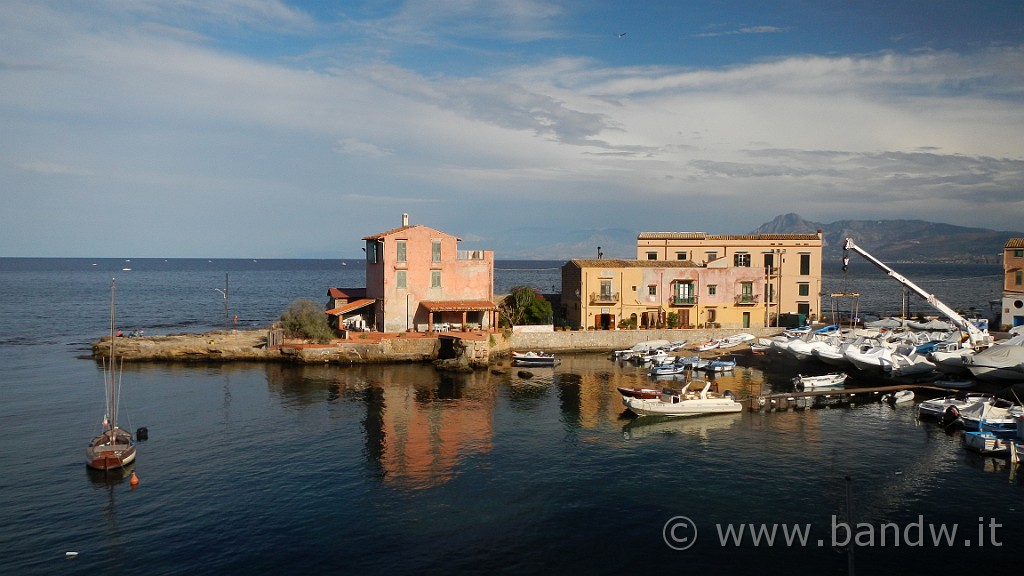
x=111, y=384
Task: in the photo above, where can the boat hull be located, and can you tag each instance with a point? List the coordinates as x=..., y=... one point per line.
x=684, y=408
x=103, y=453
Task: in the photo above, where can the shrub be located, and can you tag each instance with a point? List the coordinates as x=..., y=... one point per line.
x=305, y=318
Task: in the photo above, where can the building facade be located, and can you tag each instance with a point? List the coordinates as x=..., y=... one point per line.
x=1013, y=283
x=420, y=280
x=791, y=264
x=604, y=294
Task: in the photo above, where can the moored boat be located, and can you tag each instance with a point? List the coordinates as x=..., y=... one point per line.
x=833, y=380
x=684, y=402
x=114, y=447
x=534, y=359
x=898, y=397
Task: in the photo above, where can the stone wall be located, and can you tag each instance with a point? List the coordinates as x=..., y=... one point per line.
x=608, y=340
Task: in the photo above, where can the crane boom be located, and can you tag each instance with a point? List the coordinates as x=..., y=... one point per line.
x=977, y=337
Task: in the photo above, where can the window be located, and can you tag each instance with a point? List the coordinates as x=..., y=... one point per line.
x=1018, y=278
x=400, y=245
x=435, y=250
x=1018, y=253
x=652, y=255
x=680, y=255
x=371, y=251
x=741, y=260
x=400, y=279
x=804, y=289
x=747, y=289
x=606, y=289
x=435, y=278
x=712, y=316
x=652, y=290
x=712, y=289
x=769, y=262
x=805, y=264
x=711, y=256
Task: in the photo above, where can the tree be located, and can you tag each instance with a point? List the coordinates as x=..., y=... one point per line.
x=524, y=305
x=305, y=318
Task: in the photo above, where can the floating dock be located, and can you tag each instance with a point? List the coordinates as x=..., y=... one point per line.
x=782, y=401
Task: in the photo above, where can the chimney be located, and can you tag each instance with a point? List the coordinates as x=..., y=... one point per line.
x=405, y=219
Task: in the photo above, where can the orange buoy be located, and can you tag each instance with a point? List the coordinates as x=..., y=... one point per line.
x=135, y=479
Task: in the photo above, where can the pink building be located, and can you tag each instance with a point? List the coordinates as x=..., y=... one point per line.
x=420, y=280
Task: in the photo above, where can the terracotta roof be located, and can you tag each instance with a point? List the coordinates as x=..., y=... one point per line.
x=458, y=305
x=394, y=231
x=622, y=263
x=349, y=293
x=1014, y=243
x=346, y=308
x=705, y=236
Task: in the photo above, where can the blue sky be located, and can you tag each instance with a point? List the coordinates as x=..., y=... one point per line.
x=264, y=128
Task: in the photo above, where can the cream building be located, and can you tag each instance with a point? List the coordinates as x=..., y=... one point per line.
x=791, y=263
x=602, y=293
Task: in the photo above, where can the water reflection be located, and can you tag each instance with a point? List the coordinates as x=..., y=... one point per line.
x=699, y=426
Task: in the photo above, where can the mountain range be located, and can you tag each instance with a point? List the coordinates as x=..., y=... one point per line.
x=901, y=240
x=887, y=240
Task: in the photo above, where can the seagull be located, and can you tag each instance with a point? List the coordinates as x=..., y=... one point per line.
x=623, y=35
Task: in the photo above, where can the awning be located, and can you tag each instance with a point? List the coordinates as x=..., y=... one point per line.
x=346, y=308
x=458, y=305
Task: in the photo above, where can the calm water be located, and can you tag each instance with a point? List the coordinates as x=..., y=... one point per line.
x=267, y=469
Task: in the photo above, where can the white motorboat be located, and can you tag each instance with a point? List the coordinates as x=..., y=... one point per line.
x=910, y=364
x=685, y=402
x=987, y=443
x=833, y=380
x=938, y=407
x=534, y=359
x=720, y=365
x=735, y=340
x=877, y=358
x=709, y=345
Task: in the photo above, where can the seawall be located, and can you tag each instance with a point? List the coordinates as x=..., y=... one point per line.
x=476, y=348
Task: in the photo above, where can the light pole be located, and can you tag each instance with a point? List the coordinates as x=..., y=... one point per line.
x=224, y=293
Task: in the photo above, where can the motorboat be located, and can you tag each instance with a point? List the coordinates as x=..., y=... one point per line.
x=534, y=359
x=912, y=363
x=637, y=392
x=735, y=340
x=708, y=346
x=720, y=365
x=1001, y=363
x=950, y=406
x=833, y=380
x=685, y=402
x=986, y=442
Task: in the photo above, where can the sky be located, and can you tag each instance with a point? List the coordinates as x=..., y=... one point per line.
x=293, y=129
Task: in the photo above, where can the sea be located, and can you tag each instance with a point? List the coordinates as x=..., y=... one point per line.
x=274, y=469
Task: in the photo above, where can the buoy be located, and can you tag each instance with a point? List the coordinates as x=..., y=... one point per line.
x=135, y=479
x=70, y=554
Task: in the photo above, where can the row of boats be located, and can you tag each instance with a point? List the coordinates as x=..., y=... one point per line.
x=904, y=352
x=992, y=426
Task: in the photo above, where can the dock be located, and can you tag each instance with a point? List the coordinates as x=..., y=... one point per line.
x=782, y=401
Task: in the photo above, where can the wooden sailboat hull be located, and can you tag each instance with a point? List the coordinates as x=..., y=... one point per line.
x=104, y=454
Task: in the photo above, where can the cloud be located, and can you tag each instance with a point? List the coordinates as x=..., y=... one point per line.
x=743, y=30
x=353, y=147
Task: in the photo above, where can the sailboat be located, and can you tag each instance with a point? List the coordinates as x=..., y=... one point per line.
x=114, y=448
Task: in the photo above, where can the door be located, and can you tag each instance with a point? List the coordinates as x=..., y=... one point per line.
x=684, y=317
x=746, y=319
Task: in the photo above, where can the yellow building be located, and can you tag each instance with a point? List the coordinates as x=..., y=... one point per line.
x=1013, y=283
x=791, y=263
x=601, y=294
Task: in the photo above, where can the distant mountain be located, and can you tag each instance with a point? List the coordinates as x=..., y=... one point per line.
x=901, y=240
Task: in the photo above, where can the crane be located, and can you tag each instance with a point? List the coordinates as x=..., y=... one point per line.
x=977, y=337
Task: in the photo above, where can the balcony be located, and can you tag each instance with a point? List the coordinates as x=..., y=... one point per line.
x=684, y=301
x=747, y=299
x=604, y=298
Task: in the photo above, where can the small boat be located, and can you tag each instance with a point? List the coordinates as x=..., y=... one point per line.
x=948, y=408
x=720, y=365
x=898, y=397
x=832, y=380
x=709, y=345
x=735, y=340
x=669, y=369
x=534, y=359
x=114, y=448
x=761, y=346
x=647, y=393
x=987, y=443
x=685, y=402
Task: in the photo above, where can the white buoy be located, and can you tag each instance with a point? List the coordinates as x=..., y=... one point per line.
x=70, y=554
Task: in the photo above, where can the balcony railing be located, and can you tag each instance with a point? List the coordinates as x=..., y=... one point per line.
x=604, y=297
x=747, y=299
x=470, y=255
x=684, y=300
